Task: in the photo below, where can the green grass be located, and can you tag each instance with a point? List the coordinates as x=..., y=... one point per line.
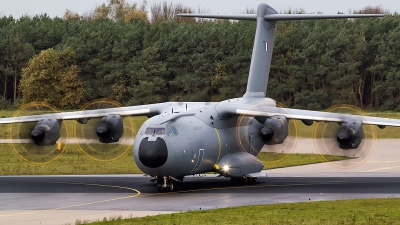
x=272, y=160
x=38, y=161
x=362, y=211
x=27, y=159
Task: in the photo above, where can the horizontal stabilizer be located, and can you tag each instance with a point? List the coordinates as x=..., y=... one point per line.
x=278, y=17
x=223, y=16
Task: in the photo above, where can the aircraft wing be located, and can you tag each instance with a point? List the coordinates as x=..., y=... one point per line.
x=142, y=110
x=268, y=111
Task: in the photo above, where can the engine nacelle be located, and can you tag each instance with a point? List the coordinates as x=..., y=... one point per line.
x=275, y=130
x=46, y=132
x=350, y=135
x=239, y=164
x=110, y=129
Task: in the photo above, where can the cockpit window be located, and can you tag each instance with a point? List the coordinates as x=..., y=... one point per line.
x=160, y=131
x=149, y=131
x=154, y=131
x=174, y=130
x=169, y=132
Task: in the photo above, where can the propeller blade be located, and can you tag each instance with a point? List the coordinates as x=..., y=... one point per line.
x=329, y=137
x=88, y=134
x=26, y=140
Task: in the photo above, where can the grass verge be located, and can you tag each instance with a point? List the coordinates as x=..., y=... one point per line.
x=274, y=160
x=359, y=211
x=42, y=161
x=71, y=161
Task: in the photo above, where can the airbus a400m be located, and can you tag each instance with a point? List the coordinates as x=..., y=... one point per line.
x=182, y=139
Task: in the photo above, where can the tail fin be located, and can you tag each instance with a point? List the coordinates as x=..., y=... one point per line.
x=267, y=18
x=262, y=53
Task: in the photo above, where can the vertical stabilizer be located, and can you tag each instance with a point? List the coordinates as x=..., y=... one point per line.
x=262, y=53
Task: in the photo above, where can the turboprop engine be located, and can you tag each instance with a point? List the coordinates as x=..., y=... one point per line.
x=349, y=135
x=275, y=130
x=110, y=129
x=46, y=132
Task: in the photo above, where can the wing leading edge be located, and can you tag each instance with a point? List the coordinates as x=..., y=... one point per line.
x=142, y=110
x=280, y=17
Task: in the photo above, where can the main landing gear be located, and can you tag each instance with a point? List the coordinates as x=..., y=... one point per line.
x=243, y=180
x=164, y=184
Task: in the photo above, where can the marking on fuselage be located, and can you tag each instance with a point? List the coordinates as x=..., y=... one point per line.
x=199, y=160
x=219, y=144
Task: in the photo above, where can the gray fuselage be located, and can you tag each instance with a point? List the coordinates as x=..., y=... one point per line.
x=191, y=138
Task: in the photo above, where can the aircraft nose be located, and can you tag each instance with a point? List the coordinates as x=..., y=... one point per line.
x=153, y=154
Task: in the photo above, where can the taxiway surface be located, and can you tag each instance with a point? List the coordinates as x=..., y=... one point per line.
x=63, y=199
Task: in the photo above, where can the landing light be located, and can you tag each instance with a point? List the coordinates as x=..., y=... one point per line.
x=226, y=168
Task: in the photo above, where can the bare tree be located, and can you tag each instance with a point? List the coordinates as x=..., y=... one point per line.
x=372, y=10
x=163, y=12
x=70, y=15
x=250, y=11
x=120, y=10
x=200, y=10
x=296, y=10
x=87, y=15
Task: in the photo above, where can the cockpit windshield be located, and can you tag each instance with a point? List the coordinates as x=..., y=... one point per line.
x=174, y=130
x=161, y=131
x=149, y=131
x=154, y=131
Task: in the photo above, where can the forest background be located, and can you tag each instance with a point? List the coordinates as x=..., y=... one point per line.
x=121, y=52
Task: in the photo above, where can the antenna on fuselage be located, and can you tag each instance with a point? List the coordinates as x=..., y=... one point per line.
x=267, y=18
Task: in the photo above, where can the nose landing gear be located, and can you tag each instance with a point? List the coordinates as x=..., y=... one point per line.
x=164, y=184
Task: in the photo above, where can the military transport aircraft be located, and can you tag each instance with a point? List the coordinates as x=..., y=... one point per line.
x=182, y=139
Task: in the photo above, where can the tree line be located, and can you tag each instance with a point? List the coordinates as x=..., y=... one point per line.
x=117, y=52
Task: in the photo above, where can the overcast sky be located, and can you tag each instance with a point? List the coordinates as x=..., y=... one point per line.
x=53, y=8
